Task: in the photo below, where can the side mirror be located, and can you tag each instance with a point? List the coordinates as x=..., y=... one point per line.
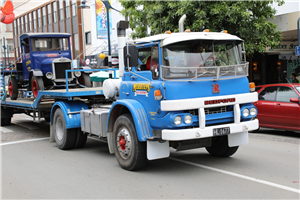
x=294, y=100
x=132, y=55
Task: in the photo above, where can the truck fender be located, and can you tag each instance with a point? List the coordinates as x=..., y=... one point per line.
x=37, y=72
x=71, y=111
x=138, y=113
x=83, y=67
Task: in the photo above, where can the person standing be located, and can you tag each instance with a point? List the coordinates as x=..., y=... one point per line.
x=293, y=76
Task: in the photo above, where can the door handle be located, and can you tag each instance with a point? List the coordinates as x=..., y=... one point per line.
x=278, y=105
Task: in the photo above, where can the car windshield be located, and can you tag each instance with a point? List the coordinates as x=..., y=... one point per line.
x=198, y=59
x=298, y=88
x=50, y=44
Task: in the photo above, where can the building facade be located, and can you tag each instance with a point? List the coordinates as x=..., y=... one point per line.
x=6, y=42
x=277, y=64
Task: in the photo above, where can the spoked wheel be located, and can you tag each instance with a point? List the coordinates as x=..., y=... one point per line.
x=37, y=84
x=64, y=138
x=130, y=153
x=220, y=148
x=85, y=80
x=13, y=88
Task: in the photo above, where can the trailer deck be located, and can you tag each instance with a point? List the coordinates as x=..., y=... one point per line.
x=46, y=98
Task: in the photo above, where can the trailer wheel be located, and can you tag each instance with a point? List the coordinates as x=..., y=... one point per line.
x=220, y=148
x=64, y=138
x=37, y=84
x=130, y=153
x=13, y=88
x=80, y=139
x=85, y=80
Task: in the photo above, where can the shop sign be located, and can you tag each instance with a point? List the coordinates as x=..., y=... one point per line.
x=283, y=47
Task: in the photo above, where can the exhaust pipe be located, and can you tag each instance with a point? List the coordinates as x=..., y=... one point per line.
x=181, y=21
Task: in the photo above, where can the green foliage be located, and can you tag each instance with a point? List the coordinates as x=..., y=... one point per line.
x=246, y=19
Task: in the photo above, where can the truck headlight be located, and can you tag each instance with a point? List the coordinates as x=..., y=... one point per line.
x=49, y=75
x=188, y=119
x=177, y=120
x=246, y=112
x=253, y=111
x=77, y=74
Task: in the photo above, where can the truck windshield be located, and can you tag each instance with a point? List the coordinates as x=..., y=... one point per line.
x=202, y=60
x=49, y=44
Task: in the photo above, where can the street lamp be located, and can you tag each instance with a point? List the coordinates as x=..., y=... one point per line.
x=83, y=6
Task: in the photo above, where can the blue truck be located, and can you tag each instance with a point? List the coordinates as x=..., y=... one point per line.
x=176, y=90
x=45, y=57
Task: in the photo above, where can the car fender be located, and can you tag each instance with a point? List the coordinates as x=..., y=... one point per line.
x=71, y=111
x=84, y=67
x=139, y=116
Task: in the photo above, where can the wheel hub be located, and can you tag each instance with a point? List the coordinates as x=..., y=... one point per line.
x=124, y=142
x=59, y=129
x=10, y=88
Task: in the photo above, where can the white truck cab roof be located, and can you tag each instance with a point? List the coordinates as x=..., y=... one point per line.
x=171, y=38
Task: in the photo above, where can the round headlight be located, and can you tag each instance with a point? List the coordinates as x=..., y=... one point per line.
x=177, y=120
x=49, y=75
x=77, y=74
x=246, y=112
x=188, y=119
x=253, y=111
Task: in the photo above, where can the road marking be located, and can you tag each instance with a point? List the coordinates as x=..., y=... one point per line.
x=5, y=130
x=238, y=175
x=23, y=141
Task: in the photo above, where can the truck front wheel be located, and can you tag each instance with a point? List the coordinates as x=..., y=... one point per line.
x=64, y=138
x=130, y=153
x=220, y=148
x=37, y=84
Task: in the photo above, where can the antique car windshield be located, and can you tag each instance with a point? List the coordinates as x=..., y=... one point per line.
x=198, y=59
x=49, y=44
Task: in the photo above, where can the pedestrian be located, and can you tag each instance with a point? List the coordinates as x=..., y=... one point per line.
x=293, y=76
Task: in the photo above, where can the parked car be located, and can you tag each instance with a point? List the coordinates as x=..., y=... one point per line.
x=279, y=106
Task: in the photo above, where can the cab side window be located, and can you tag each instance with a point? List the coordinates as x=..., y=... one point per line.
x=155, y=62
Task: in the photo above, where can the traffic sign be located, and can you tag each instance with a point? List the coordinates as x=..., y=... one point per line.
x=297, y=51
x=87, y=61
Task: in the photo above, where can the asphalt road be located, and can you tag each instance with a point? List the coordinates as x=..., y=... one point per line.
x=33, y=168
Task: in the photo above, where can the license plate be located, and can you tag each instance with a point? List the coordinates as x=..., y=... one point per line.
x=221, y=131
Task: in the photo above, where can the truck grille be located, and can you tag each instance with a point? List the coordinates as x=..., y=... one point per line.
x=60, y=69
x=215, y=110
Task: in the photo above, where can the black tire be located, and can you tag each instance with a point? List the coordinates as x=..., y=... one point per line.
x=37, y=84
x=130, y=153
x=5, y=121
x=220, y=148
x=13, y=88
x=64, y=138
x=85, y=80
x=80, y=139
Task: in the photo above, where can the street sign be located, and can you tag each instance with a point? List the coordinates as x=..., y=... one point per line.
x=297, y=51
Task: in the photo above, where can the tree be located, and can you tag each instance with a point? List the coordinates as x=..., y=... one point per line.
x=246, y=19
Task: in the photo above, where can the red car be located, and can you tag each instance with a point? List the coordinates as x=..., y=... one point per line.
x=278, y=106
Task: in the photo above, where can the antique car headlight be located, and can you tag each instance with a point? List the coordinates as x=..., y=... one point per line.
x=246, y=112
x=77, y=74
x=49, y=75
x=177, y=120
x=253, y=111
x=188, y=119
